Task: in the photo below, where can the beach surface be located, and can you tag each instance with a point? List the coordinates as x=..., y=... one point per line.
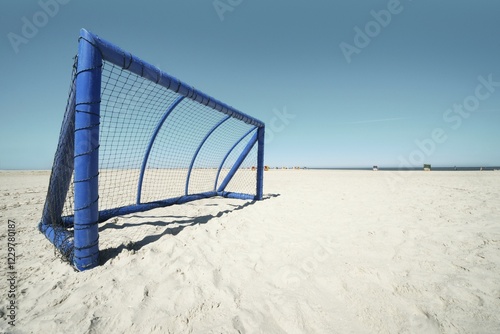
x=324, y=252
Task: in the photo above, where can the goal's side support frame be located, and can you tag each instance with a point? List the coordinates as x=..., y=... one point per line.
x=83, y=124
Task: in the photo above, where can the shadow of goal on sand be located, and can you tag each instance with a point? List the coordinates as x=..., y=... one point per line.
x=181, y=223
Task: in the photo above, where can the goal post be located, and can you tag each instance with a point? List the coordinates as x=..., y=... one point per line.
x=134, y=138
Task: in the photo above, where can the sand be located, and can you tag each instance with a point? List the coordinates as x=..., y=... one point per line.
x=325, y=252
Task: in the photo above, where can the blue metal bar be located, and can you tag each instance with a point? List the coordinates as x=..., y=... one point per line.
x=260, y=162
x=82, y=119
x=125, y=210
x=227, y=155
x=87, y=117
x=238, y=163
x=198, y=151
x=150, y=145
x=237, y=195
x=119, y=57
x=129, y=209
x=60, y=237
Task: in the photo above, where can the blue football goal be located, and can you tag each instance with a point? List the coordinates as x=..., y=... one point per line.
x=134, y=138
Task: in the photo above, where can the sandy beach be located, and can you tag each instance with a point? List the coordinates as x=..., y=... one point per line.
x=325, y=252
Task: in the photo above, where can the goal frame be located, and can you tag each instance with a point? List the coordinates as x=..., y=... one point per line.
x=83, y=242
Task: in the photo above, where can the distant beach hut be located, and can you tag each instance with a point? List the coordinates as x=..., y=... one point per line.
x=375, y=167
x=427, y=167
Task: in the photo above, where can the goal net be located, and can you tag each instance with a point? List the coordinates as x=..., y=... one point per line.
x=134, y=138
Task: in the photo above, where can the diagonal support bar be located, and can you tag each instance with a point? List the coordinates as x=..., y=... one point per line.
x=227, y=155
x=238, y=163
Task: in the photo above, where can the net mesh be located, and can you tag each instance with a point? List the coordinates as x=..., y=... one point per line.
x=60, y=192
x=133, y=111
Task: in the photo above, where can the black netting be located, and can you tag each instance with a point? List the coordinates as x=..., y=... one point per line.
x=154, y=145
x=60, y=193
x=132, y=110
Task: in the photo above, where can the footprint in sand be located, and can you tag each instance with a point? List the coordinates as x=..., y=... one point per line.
x=424, y=323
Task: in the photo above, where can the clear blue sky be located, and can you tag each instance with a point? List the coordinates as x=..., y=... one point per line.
x=268, y=58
